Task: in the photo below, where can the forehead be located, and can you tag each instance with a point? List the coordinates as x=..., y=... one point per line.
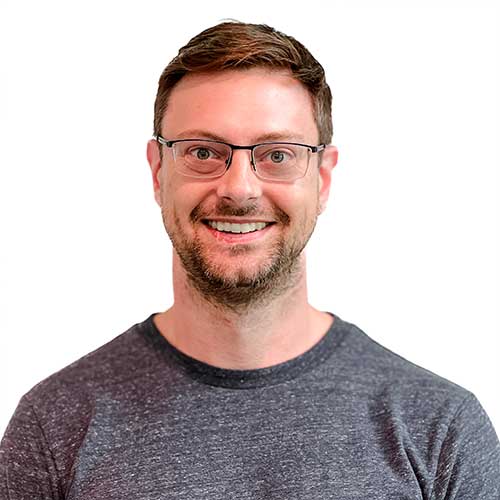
x=240, y=106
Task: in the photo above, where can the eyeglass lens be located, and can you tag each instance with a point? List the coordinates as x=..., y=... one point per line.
x=278, y=161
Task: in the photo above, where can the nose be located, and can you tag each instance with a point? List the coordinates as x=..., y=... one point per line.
x=239, y=184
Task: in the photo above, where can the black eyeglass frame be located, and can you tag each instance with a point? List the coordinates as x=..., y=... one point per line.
x=169, y=143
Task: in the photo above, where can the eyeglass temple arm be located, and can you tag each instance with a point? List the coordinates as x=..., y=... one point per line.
x=318, y=149
x=162, y=141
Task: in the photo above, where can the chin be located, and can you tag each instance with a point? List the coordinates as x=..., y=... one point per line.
x=237, y=284
x=237, y=275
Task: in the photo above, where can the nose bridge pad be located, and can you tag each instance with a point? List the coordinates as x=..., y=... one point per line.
x=252, y=160
x=229, y=160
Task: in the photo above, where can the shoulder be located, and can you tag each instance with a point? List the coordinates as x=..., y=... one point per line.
x=440, y=426
x=54, y=416
x=125, y=357
x=388, y=380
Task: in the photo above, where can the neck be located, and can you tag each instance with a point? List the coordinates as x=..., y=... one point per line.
x=261, y=335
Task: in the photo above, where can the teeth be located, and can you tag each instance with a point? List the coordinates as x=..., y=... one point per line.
x=230, y=227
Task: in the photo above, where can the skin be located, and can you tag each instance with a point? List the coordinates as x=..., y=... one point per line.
x=241, y=107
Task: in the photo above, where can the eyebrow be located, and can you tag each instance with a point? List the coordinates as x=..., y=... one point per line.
x=282, y=135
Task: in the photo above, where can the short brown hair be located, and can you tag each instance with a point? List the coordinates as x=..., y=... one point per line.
x=237, y=45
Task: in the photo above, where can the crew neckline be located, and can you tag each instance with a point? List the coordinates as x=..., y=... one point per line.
x=249, y=379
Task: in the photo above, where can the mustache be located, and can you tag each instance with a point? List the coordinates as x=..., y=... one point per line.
x=227, y=209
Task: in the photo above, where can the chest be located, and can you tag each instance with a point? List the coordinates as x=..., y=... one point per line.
x=258, y=448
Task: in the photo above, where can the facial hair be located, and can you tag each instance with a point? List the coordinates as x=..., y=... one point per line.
x=281, y=272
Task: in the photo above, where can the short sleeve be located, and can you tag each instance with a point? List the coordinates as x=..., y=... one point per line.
x=27, y=469
x=469, y=462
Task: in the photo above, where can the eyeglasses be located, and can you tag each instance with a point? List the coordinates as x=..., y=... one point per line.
x=208, y=159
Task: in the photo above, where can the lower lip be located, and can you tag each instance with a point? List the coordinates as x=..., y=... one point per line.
x=238, y=238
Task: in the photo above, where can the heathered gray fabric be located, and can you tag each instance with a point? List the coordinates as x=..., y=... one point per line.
x=349, y=419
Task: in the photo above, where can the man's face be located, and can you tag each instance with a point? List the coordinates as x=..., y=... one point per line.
x=240, y=107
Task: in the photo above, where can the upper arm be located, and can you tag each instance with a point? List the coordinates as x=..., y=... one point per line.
x=469, y=461
x=27, y=467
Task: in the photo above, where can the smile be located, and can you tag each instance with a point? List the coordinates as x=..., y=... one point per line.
x=231, y=227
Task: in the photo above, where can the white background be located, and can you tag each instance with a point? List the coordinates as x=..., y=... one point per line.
x=409, y=246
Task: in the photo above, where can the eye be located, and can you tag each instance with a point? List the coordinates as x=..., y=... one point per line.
x=202, y=153
x=277, y=156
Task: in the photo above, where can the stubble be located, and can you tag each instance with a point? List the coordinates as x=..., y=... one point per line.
x=280, y=271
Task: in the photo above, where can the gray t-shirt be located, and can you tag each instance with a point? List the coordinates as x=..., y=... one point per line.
x=348, y=419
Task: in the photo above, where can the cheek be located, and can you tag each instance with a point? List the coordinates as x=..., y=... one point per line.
x=171, y=201
x=182, y=197
x=300, y=200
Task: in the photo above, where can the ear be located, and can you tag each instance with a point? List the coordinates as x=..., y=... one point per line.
x=154, y=160
x=328, y=161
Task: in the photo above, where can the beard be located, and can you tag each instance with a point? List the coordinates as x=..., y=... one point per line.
x=240, y=290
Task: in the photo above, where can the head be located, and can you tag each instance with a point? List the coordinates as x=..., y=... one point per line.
x=242, y=84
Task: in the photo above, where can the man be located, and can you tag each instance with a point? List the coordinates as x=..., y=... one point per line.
x=242, y=389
